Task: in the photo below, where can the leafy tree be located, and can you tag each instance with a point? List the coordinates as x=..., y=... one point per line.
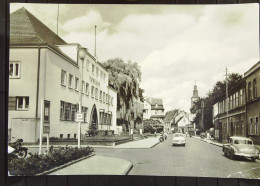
x=125, y=78
x=218, y=91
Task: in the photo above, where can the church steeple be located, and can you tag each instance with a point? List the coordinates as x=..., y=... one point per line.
x=195, y=97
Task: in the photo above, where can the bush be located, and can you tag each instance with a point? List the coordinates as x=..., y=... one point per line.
x=36, y=163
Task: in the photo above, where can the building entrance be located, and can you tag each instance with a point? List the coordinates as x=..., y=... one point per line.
x=94, y=117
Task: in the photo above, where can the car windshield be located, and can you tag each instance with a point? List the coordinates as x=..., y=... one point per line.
x=243, y=142
x=178, y=135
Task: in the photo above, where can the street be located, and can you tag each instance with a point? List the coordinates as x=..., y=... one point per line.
x=197, y=158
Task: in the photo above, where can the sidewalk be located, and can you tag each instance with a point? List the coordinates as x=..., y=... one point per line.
x=94, y=165
x=140, y=144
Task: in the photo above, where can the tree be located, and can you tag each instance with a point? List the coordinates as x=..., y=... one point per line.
x=125, y=78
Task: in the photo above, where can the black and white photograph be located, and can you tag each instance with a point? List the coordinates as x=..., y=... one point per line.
x=156, y=90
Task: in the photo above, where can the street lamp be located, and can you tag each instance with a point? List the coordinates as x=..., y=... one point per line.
x=81, y=55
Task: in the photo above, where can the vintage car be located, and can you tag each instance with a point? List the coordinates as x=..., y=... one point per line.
x=240, y=146
x=178, y=139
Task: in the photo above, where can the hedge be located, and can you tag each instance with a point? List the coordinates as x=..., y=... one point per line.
x=35, y=163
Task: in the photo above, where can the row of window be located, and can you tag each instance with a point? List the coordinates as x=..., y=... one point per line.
x=253, y=125
x=235, y=100
x=69, y=136
x=252, y=94
x=18, y=103
x=95, y=93
x=96, y=71
x=69, y=110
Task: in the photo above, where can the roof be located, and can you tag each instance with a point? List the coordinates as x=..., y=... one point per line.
x=26, y=29
x=252, y=69
x=170, y=115
x=154, y=101
x=157, y=116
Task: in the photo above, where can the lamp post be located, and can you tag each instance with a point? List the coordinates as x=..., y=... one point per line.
x=81, y=55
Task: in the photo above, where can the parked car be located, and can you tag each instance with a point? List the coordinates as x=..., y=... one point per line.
x=240, y=146
x=178, y=139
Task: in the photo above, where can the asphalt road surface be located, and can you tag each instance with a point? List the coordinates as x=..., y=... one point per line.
x=197, y=158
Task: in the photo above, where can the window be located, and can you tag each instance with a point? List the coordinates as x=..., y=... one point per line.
x=75, y=136
x=46, y=111
x=63, y=78
x=256, y=120
x=100, y=95
x=96, y=93
x=70, y=81
x=256, y=125
x=101, y=74
x=231, y=102
x=104, y=77
x=87, y=88
x=234, y=99
x=93, y=69
x=97, y=71
x=241, y=97
x=112, y=101
x=83, y=87
x=92, y=91
x=254, y=89
x=237, y=99
x=61, y=136
x=76, y=84
x=249, y=90
x=68, y=136
x=14, y=69
x=68, y=111
x=251, y=125
x=106, y=98
x=22, y=103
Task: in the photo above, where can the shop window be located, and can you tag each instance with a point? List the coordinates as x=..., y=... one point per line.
x=22, y=103
x=63, y=77
x=75, y=136
x=14, y=70
x=68, y=136
x=61, y=136
x=70, y=81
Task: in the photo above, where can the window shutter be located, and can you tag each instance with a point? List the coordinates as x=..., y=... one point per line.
x=12, y=103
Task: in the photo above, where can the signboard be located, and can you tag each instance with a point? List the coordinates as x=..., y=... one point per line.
x=79, y=117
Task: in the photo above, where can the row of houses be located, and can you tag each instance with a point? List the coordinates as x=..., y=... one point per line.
x=43, y=68
x=239, y=114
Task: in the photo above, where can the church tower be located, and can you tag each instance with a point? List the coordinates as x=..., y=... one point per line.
x=195, y=97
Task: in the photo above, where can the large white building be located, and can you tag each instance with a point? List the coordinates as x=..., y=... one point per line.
x=44, y=67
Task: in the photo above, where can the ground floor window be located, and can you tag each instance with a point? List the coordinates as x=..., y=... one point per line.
x=22, y=103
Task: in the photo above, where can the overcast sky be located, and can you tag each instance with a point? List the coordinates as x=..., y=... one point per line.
x=174, y=44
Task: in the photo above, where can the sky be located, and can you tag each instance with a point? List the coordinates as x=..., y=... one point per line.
x=174, y=45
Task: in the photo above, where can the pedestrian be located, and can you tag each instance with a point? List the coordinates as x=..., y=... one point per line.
x=154, y=133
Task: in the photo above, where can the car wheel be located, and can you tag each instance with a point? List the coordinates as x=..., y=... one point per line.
x=253, y=159
x=184, y=145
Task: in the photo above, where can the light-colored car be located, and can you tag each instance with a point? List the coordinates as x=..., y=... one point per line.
x=179, y=139
x=240, y=146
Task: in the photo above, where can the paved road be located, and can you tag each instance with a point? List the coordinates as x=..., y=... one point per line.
x=196, y=159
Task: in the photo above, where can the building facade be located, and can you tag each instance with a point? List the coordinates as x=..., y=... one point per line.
x=253, y=102
x=153, y=109
x=43, y=68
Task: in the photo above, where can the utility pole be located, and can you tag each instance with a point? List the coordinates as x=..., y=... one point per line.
x=95, y=55
x=58, y=20
x=227, y=97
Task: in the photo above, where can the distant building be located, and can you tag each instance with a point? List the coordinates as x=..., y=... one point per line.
x=169, y=120
x=253, y=102
x=153, y=109
x=195, y=97
x=44, y=67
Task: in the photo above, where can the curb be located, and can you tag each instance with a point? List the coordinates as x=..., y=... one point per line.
x=128, y=169
x=64, y=165
x=154, y=145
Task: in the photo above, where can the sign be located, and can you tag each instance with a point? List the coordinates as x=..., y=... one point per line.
x=46, y=129
x=79, y=117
